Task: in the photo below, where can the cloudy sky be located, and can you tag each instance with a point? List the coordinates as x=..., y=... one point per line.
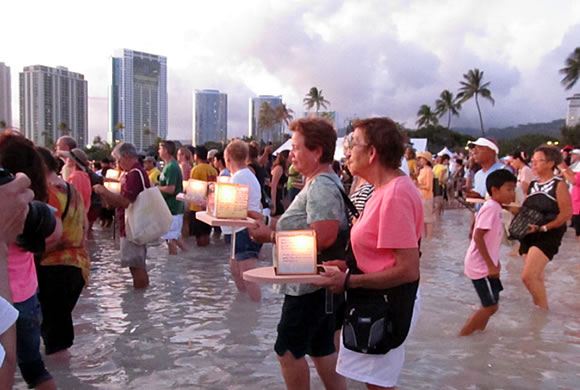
x=374, y=57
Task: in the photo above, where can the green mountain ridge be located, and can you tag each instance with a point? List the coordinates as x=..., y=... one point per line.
x=545, y=128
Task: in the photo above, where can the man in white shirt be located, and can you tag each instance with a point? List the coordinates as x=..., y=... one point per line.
x=16, y=195
x=246, y=250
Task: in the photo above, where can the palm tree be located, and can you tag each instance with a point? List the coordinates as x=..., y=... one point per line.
x=284, y=115
x=119, y=129
x=314, y=98
x=474, y=86
x=447, y=104
x=267, y=117
x=63, y=128
x=426, y=116
x=571, y=71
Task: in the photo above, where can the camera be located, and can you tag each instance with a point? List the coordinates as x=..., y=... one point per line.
x=40, y=221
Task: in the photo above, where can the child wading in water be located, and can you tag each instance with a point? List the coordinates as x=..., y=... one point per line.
x=482, y=258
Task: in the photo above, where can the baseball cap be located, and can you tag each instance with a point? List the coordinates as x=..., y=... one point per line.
x=484, y=142
x=575, y=151
x=150, y=159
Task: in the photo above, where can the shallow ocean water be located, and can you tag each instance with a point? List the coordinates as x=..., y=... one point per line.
x=192, y=330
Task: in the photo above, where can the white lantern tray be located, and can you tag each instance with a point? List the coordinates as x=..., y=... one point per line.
x=479, y=201
x=213, y=221
x=267, y=275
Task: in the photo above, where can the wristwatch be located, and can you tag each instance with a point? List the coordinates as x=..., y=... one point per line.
x=543, y=228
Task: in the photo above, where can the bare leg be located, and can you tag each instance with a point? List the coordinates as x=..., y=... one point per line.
x=235, y=270
x=140, y=277
x=295, y=372
x=203, y=240
x=533, y=276
x=181, y=244
x=172, y=247
x=478, y=321
x=326, y=368
x=47, y=385
x=252, y=288
x=428, y=230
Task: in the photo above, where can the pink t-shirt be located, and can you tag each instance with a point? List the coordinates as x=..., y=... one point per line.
x=392, y=219
x=576, y=195
x=489, y=218
x=22, y=273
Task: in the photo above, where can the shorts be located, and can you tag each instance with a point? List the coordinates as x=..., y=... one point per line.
x=548, y=242
x=427, y=210
x=199, y=228
x=28, y=342
x=576, y=224
x=305, y=328
x=245, y=247
x=133, y=255
x=379, y=370
x=488, y=290
x=175, y=230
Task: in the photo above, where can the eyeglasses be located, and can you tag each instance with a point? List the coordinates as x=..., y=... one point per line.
x=353, y=144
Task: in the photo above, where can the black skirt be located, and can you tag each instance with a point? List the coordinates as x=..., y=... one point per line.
x=548, y=242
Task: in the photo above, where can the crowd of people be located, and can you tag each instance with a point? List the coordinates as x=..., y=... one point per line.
x=370, y=214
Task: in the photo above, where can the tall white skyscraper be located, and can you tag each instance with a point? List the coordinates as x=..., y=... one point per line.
x=210, y=116
x=138, y=98
x=53, y=103
x=5, y=95
x=573, y=112
x=271, y=134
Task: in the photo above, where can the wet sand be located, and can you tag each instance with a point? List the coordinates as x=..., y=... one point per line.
x=192, y=330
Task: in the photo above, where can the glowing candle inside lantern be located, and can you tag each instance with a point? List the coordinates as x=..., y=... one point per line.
x=229, y=200
x=113, y=174
x=195, y=189
x=296, y=252
x=113, y=186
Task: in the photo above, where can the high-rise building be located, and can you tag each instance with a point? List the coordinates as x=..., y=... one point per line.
x=138, y=98
x=5, y=95
x=53, y=103
x=573, y=114
x=256, y=128
x=210, y=116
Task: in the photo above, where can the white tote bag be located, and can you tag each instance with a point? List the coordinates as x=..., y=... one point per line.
x=148, y=218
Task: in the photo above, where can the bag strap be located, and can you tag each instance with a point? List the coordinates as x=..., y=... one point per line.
x=348, y=203
x=141, y=176
x=65, y=212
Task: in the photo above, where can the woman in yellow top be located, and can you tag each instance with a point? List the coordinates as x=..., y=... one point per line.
x=425, y=185
x=64, y=266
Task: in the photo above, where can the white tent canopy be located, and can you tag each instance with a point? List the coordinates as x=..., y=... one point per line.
x=446, y=151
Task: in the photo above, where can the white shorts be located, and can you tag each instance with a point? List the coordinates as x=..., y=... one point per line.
x=175, y=231
x=379, y=370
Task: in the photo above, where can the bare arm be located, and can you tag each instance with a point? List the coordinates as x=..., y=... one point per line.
x=406, y=270
x=167, y=189
x=326, y=233
x=478, y=237
x=276, y=175
x=564, y=204
x=110, y=198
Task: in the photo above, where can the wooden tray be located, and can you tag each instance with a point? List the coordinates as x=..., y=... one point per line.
x=267, y=275
x=212, y=221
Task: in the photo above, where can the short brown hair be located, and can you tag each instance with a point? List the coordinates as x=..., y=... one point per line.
x=317, y=132
x=551, y=153
x=186, y=152
x=382, y=133
x=238, y=150
x=170, y=147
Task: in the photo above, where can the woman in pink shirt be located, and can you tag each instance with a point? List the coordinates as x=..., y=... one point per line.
x=17, y=154
x=385, y=243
